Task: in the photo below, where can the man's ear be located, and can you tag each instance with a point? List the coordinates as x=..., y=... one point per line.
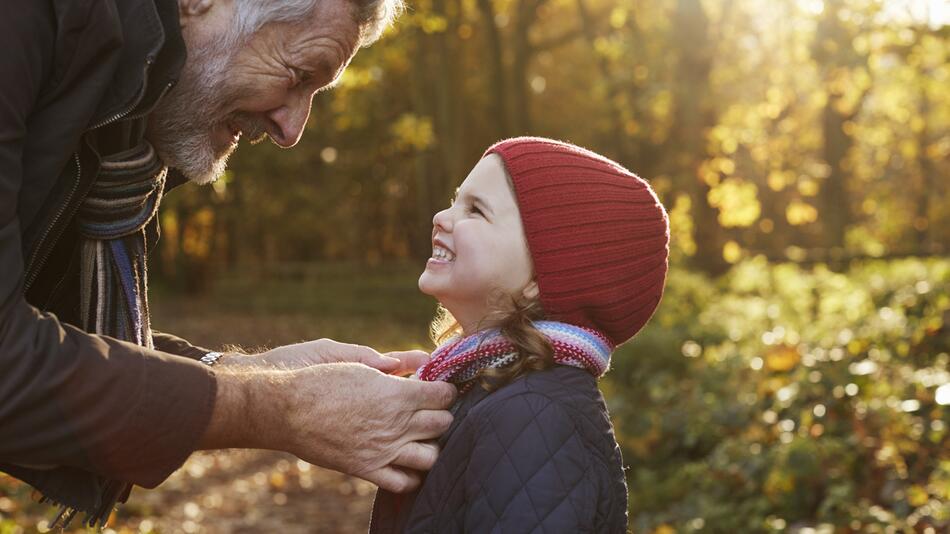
x=531, y=291
x=193, y=8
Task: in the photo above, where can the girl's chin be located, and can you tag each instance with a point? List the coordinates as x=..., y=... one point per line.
x=427, y=286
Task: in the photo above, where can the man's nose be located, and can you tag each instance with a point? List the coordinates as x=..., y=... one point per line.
x=289, y=121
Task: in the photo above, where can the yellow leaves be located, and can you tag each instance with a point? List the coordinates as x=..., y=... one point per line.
x=358, y=78
x=917, y=495
x=681, y=226
x=664, y=529
x=631, y=127
x=726, y=165
x=722, y=138
x=729, y=145
x=778, y=483
x=737, y=202
x=861, y=44
x=782, y=358
x=939, y=149
x=277, y=480
x=413, y=131
x=778, y=179
x=430, y=23
x=798, y=213
x=618, y=17
x=908, y=149
x=731, y=252
x=609, y=48
x=662, y=104
x=807, y=187
x=710, y=170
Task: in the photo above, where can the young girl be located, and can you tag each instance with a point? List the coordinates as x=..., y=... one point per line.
x=548, y=258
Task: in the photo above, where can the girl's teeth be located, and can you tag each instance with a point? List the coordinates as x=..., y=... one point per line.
x=442, y=254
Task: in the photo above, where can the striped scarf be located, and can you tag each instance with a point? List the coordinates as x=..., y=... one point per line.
x=113, y=220
x=461, y=358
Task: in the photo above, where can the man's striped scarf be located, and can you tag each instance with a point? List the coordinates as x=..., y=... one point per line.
x=461, y=358
x=113, y=221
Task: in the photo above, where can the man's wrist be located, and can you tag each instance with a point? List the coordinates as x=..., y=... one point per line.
x=248, y=410
x=224, y=430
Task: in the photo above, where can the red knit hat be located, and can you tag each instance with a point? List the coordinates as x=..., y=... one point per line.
x=597, y=233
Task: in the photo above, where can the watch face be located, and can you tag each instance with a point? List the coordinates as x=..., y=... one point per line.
x=210, y=358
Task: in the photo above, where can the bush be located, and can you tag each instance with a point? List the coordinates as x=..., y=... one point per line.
x=780, y=398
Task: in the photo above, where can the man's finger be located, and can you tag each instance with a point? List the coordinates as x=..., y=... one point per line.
x=394, y=479
x=428, y=395
x=409, y=360
x=428, y=424
x=381, y=362
x=417, y=456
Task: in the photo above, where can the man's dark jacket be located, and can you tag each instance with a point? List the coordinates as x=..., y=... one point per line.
x=77, y=78
x=537, y=455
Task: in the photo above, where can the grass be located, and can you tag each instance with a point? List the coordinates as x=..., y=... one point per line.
x=380, y=307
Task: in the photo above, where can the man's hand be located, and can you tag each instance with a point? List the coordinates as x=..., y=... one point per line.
x=342, y=416
x=320, y=351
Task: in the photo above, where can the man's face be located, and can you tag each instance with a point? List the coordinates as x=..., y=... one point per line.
x=261, y=86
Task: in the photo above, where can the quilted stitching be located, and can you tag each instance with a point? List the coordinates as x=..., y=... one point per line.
x=525, y=482
x=536, y=456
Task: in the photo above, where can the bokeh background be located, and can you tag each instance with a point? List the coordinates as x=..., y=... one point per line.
x=797, y=374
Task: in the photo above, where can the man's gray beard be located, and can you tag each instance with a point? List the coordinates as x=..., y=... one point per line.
x=181, y=127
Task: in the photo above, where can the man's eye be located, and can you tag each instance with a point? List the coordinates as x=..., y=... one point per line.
x=301, y=76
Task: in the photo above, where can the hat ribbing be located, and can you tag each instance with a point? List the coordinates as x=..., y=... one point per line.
x=597, y=234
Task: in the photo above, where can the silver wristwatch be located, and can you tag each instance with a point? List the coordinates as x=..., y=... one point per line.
x=211, y=358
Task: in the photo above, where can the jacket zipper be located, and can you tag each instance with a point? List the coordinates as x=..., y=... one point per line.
x=138, y=98
x=42, y=250
x=32, y=268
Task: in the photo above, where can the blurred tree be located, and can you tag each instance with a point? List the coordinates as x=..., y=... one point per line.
x=792, y=128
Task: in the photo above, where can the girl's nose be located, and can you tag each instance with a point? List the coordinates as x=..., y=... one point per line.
x=443, y=220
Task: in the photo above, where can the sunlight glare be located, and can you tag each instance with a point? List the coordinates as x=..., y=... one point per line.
x=812, y=7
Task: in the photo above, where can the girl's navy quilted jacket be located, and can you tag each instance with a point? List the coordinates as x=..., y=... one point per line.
x=537, y=455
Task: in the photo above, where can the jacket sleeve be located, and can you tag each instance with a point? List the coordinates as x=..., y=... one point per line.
x=177, y=346
x=69, y=398
x=529, y=470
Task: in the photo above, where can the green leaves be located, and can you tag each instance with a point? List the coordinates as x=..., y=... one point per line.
x=798, y=397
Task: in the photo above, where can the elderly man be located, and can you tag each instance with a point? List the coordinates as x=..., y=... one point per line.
x=104, y=105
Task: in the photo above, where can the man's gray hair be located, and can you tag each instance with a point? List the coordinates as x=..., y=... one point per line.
x=372, y=16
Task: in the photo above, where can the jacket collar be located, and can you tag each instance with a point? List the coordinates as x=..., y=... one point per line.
x=153, y=53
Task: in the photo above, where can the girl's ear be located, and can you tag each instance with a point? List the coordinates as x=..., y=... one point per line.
x=531, y=291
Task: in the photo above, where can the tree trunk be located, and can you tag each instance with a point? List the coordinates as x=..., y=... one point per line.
x=449, y=135
x=927, y=171
x=694, y=117
x=522, y=50
x=499, y=86
x=618, y=137
x=832, y=51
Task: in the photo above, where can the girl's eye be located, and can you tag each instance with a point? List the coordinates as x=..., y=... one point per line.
x=473, y=209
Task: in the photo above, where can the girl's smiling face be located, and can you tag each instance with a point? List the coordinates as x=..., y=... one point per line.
x=479, y=251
